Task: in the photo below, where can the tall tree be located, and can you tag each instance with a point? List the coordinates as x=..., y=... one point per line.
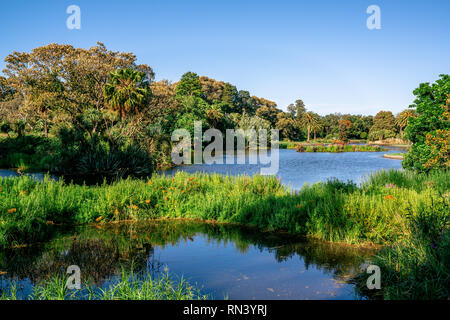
x=297, y=109
x=316, y=127
x=230, y=97
x=344, y=127
x=269, y=113
x=402, y=120
x=189, y=85
x=82, y=73
x=309, y=120
x=127, y=91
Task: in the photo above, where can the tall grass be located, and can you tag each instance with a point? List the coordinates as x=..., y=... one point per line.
x=129, y=286
x=32, y=210
x=382, y=210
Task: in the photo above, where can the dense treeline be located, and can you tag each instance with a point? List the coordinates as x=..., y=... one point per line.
x=98, y=112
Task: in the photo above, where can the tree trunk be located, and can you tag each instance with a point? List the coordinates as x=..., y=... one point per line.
x=45, y=128
x=309, y=133
x=314, y=136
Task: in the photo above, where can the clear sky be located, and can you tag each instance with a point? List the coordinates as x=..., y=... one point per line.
x=320, y=51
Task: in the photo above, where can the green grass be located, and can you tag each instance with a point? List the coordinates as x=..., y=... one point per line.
x=31, y=210
x=288, y=144
x=130, y=286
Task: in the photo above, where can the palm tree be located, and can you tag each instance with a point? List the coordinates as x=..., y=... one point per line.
x=402, y=120
x=309, y=120
x=316, y=127
x=126, y=91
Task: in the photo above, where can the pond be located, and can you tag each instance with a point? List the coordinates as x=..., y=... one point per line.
x=226, y=261
x=296, y=169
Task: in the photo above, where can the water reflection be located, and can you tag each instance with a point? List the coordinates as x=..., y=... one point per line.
x=228, y=261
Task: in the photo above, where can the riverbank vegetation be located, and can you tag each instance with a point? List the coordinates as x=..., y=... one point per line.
x=335, y=148
x=390, y=209
x=129, y=286
x=332, y=210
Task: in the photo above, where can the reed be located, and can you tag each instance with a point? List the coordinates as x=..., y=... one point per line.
x=129, y=286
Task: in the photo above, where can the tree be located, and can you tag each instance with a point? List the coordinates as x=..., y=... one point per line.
x=127, y=91
x=344, y=127
x=383, y=126
x=82, y=73
x=297, y=110
x=269, y=113
x=230, y=97
x=214, y=115
x=189, y=85
x=6, y=91
x=287, y=126
x=309, y=120
x=316, y=127
x=402, y=120
x=429, y=127
x=245, y=102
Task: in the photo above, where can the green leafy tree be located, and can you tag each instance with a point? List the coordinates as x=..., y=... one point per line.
x=189, y=85
x=317, y=127
x=268, y=113
x=402, y=120
x=297, y=109
x=287, y=126
x=230, y=98
x=383, y=126
x=431, y=121
x=127, y=91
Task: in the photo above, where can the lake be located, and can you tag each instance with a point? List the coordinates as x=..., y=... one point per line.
x=296, y=169
x=225, y=261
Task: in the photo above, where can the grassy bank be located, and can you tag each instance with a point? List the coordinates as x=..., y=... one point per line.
x=127, y=287
x=31, y=210
x=388, y=209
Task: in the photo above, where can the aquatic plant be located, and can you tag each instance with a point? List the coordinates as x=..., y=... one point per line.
x=129, y=286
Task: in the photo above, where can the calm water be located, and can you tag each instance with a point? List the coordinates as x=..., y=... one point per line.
x=296, y=169
x=227, y=261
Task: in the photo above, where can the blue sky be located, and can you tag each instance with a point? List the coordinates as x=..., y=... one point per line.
x=319, y=51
